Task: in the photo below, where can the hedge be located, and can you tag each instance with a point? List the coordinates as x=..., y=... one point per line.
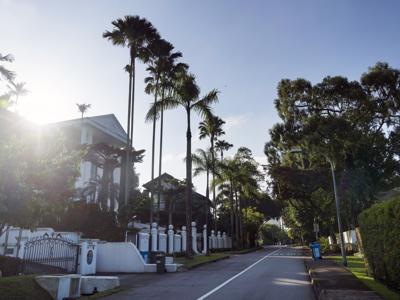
x=380, y=232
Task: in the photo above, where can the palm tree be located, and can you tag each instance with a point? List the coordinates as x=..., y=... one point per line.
x=108, y=158
x=17, y=89
x=136, y=33
x=83, y=108
x=186, y=94
x=203, y=164
x=162, y=69
x=222, y=146
x=211, y=127
x=4, y=72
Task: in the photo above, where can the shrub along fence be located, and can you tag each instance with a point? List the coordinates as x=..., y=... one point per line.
x=380, y=231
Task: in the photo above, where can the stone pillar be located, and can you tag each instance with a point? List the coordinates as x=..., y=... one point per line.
x=170, y=239
x=177, y=243
x=194, y=238
x=154, y=236
x=162, y=242
x=184, y=236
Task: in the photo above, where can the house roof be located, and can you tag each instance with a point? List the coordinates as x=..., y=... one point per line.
x=106, y=123
x=170, y=183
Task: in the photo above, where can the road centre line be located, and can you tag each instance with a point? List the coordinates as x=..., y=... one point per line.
x=236, y=276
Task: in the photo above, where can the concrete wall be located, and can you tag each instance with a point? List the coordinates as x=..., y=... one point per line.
x=119, y=257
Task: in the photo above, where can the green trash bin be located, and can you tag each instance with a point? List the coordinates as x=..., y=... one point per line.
x=160, y=262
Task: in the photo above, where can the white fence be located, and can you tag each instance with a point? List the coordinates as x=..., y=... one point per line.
x=174, y=241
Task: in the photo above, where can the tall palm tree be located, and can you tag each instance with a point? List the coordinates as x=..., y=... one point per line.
x=221, y=146
x=203, y=163
x=83, y=108
x=136, y=33
x=161, y=68
x=4, y=72
x=211, y=127
x=186, y=94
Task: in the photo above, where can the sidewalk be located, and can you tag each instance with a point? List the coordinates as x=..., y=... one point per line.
x=331, y=281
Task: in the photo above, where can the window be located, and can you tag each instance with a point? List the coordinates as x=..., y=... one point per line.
x=93, y=171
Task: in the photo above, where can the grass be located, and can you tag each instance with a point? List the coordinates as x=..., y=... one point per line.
x=200, y=259
x=21, y=288
x=356, y=266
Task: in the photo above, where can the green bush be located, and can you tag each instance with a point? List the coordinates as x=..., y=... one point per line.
x=380, y=231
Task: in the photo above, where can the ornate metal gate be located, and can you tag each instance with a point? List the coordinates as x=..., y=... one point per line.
x=52, y=255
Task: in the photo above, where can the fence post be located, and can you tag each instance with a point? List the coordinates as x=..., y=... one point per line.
x=224, y=241
x=205, y=240
x=219, y=240
x=162, y=242
x=177, y=243
x=154, y=236
x=194, y=238
x=184, y=236
x=170, y=239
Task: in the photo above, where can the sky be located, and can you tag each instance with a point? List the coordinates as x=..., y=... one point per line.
x=241, y=48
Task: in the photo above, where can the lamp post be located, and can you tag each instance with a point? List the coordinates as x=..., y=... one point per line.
x=342, y=249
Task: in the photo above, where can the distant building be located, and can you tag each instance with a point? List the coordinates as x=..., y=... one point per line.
x=171, y=207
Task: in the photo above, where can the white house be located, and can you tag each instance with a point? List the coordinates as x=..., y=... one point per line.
x=92, y=130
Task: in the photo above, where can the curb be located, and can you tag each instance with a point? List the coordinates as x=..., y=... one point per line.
x=182, y=268
x=328, y=294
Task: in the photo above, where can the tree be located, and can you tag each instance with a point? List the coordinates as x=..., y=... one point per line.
x=108, y=158
x=4, y=72
x=203, y=164
x=37, y=179
x=17, y=90
x=83, y=108
x=349, y=123
x=221, y=146
x=136, y=33
x=211, y=127
x=238, y=180
x=186, y=94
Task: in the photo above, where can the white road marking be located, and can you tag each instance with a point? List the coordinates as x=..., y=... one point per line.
x=236, y=276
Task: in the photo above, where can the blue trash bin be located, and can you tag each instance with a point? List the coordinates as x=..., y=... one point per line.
x=316, y=250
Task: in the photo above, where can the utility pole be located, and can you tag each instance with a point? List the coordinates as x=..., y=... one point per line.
x=342, y=249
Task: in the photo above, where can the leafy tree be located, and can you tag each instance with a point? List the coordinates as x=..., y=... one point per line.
x=351, y=124
x=272, y=234
x=37, y=180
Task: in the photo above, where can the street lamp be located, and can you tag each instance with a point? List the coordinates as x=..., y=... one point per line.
x=342, y=249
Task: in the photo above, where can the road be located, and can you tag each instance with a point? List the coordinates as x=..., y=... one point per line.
x=272, y=273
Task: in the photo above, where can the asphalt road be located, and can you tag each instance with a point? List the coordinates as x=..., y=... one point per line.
x=272, y=273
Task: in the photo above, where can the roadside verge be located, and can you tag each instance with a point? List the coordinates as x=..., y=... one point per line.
x=331, y=281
